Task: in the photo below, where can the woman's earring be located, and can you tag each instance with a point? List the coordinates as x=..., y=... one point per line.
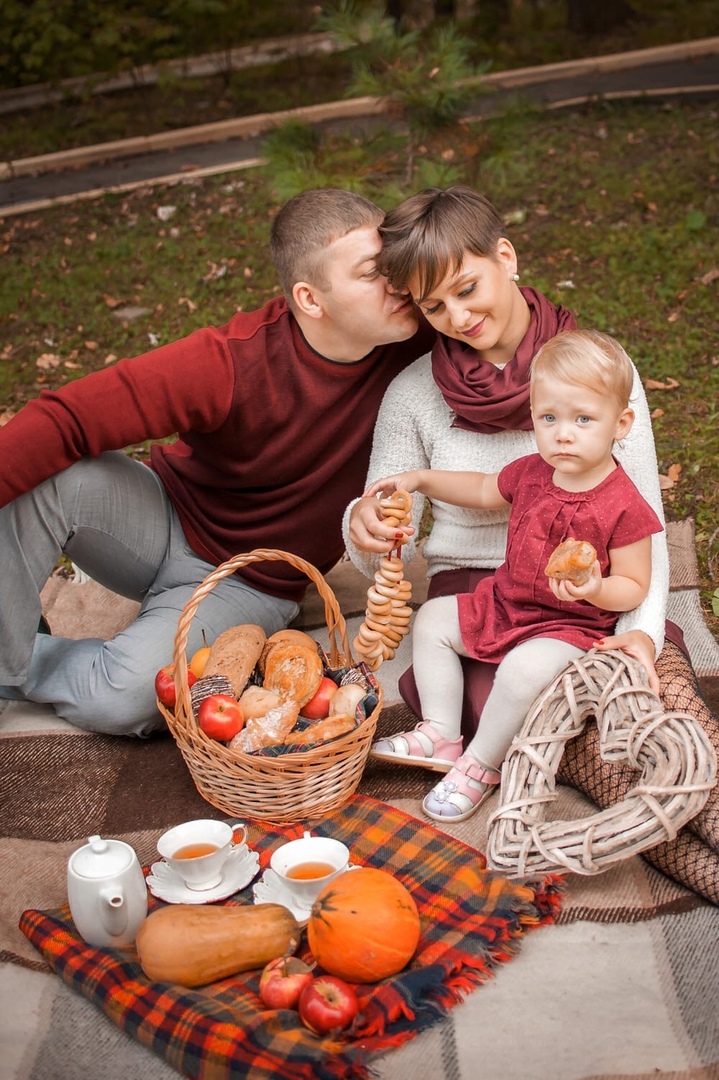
x=514, y=277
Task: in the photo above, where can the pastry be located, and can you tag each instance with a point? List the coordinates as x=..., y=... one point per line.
x=269, y=730
x=285, y=637
x=572, y=561
x=257, y=701
x=323, y=730
x=294, y=671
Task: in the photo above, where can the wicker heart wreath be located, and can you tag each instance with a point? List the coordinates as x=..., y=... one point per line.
x=674, y=759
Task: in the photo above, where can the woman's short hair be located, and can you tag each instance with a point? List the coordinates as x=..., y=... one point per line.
x=586, y=358
x=430, y=233
x=306, y=226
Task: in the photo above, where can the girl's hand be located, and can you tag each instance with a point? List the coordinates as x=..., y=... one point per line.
x=637, y=644
x=408, y=481
x=564, y=590
x=368, y=531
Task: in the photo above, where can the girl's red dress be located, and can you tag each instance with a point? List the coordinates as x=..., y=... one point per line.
x=517, y=604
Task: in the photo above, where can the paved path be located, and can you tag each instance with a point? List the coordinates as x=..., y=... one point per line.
x=670, y=72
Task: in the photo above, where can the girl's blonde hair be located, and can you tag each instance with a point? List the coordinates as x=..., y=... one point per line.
x=586, y=358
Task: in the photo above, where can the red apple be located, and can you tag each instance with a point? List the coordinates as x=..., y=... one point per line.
x=282, y=981
x=220, y=717
x=327, y=1004
x=318, y=707
x=165, y=684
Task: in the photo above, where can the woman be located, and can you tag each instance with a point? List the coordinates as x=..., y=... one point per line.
x=467, y=407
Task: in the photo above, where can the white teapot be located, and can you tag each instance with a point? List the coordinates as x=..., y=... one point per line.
x=107, y=892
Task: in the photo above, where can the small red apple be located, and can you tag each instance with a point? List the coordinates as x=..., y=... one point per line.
x=165, y=684
x=282, y=981
x=220, y=717
x=318, y=707
x=327, y=1004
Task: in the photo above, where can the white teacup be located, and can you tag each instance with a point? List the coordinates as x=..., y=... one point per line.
x=305, y=866
x=197, y=850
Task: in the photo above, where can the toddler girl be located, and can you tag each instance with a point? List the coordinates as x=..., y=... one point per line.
x=527, y=624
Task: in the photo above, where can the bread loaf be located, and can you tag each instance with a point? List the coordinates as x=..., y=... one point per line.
x=235, y=653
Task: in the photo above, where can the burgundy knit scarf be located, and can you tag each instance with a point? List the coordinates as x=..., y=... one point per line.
x=486, y=398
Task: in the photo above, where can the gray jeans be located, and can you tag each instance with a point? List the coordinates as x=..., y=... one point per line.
x=112, y=517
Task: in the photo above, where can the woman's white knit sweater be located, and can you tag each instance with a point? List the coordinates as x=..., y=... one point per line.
x=414, y=431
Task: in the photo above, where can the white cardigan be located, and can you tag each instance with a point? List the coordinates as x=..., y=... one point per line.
x=414, y=431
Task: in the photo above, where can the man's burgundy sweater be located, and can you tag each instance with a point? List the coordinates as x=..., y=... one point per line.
x=273, y=441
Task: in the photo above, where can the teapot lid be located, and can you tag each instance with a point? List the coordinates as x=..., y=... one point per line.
x=100, y=858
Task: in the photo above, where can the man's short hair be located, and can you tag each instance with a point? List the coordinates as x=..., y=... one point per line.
x=308, y=224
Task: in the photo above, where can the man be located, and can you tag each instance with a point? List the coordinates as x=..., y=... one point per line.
x=274, y=412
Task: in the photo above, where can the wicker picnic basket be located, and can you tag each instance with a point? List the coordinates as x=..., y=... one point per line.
x=290, y=787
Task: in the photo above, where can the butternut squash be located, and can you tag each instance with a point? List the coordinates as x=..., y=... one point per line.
x=193, y=945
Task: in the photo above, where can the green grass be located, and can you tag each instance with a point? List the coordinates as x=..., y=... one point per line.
x=620, y=200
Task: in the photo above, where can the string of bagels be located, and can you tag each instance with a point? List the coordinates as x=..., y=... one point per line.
x=388, y=614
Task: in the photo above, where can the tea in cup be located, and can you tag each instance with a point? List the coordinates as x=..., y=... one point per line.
x=197, y=850
x=305, y=866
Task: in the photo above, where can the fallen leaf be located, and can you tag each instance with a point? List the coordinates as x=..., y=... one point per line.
x=656, y=413
x=654, y=384
x=91, y=345
x=188, y=303
x=47, y=360
x=711, y=275
x=672, y=477
x=111, y=301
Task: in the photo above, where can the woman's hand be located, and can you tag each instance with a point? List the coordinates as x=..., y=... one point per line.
x=637, y=644
x=368, y=530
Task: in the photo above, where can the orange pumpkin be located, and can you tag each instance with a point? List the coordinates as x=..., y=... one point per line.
x=364, y=926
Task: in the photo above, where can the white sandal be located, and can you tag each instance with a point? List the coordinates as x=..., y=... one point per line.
x=462, y=791
x=423, y=746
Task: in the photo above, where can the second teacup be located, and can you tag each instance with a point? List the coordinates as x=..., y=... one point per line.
x=305, y=866
x=197, y=850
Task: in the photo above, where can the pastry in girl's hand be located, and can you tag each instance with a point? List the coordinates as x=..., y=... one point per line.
x=572, y=561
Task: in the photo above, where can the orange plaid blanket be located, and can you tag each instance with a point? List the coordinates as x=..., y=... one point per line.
x=472, y=920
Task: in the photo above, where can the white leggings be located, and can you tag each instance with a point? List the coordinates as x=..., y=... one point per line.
x=520, y=678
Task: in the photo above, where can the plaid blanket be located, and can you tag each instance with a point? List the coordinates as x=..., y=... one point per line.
x=472, y=920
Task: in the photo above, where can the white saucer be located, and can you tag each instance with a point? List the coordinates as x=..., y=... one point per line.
x=240, y=867
x=270, y=889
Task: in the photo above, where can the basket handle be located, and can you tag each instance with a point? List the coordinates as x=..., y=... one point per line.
x=336, y=624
